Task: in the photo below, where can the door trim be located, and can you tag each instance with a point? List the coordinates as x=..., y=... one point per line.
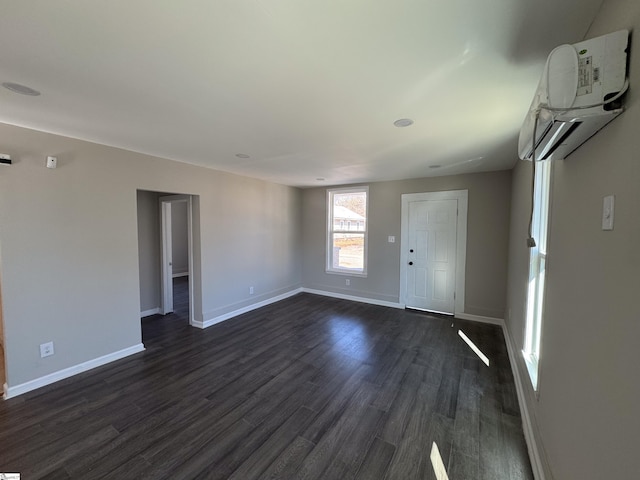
x=165, y=234
x=462, y=196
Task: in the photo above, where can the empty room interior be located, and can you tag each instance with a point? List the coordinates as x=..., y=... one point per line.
x=294, y=239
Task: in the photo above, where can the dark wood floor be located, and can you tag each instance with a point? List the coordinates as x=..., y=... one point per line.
x=310, y=387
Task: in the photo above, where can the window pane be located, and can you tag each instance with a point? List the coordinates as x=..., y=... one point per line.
x=537, y=268
x=350, y=211
x=539, y=297
x=348, y=251
x=542, y=203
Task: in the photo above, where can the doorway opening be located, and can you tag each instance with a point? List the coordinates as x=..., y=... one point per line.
x=166, y=254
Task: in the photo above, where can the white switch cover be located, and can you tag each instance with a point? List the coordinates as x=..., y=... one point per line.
x=607, y=212
x=392, y=239
x=52, y=162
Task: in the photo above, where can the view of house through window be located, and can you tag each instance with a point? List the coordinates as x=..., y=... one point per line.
x=347, y=230
x=537, y=268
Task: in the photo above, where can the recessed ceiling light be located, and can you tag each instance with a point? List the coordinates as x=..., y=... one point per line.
x=435, y=166
x=21, y=89
x=403, y=122
x=242, y=155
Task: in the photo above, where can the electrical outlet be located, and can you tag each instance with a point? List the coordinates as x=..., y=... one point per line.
x=250, y=290
x=347, y=282
x=46, y=349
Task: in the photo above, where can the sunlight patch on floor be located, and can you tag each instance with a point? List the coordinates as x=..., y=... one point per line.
x=473, y=347
x=437, y=463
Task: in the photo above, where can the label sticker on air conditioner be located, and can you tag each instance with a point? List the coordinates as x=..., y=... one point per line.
x=585, y=76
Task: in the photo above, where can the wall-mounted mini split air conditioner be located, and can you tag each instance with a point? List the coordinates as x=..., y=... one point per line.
x=579, y=93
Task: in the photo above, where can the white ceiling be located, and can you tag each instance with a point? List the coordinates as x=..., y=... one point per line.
x=308, y=89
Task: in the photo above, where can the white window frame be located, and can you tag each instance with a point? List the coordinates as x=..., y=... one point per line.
x=537, y=269
x=331, y=229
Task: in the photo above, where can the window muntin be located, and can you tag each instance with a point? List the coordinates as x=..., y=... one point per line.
x=347, y=230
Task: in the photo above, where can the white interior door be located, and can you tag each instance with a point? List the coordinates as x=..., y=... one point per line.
x=432, y=255
x=433, y=250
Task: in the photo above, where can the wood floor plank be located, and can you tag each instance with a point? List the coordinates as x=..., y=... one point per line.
x=333, y=408
x=263, y=456
x=377, y=460
x=466, y=432
x=52, y=457
x=463, y=467
x=403, y=406
x=310, y=387
x=408, y=461
x=133, y=440
x=325, y=454
x=287, y=464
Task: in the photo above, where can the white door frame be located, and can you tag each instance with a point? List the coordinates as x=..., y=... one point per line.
x=462, y=196
x=166, y=285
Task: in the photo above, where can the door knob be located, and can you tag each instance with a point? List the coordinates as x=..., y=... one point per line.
x=411, y=250
x=410, y=263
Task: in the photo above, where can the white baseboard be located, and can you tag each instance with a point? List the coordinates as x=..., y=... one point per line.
x=537, y=464
x=10, y=392
x=248, y=308
x=353, y=298
x=153, y=311
x=183, y=274
x=480, y=318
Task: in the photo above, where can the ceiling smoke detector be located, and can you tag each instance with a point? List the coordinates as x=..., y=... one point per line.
x=21, y=89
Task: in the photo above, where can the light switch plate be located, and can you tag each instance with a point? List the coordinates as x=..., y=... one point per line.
x=607, y=212
x=52, y=162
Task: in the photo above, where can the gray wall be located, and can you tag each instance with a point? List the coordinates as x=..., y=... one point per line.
x=149, y=248
x=179, y=238
x=487, y=239
x=587, y=410
x=69, y=242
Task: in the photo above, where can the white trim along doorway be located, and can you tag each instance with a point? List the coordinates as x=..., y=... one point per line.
x=166, y=285
x=448, y=280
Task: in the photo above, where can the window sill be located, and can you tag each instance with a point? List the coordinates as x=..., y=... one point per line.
x=346, y=273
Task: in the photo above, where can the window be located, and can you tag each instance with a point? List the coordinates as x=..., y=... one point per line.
x=346, y=250
x=537, y=268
